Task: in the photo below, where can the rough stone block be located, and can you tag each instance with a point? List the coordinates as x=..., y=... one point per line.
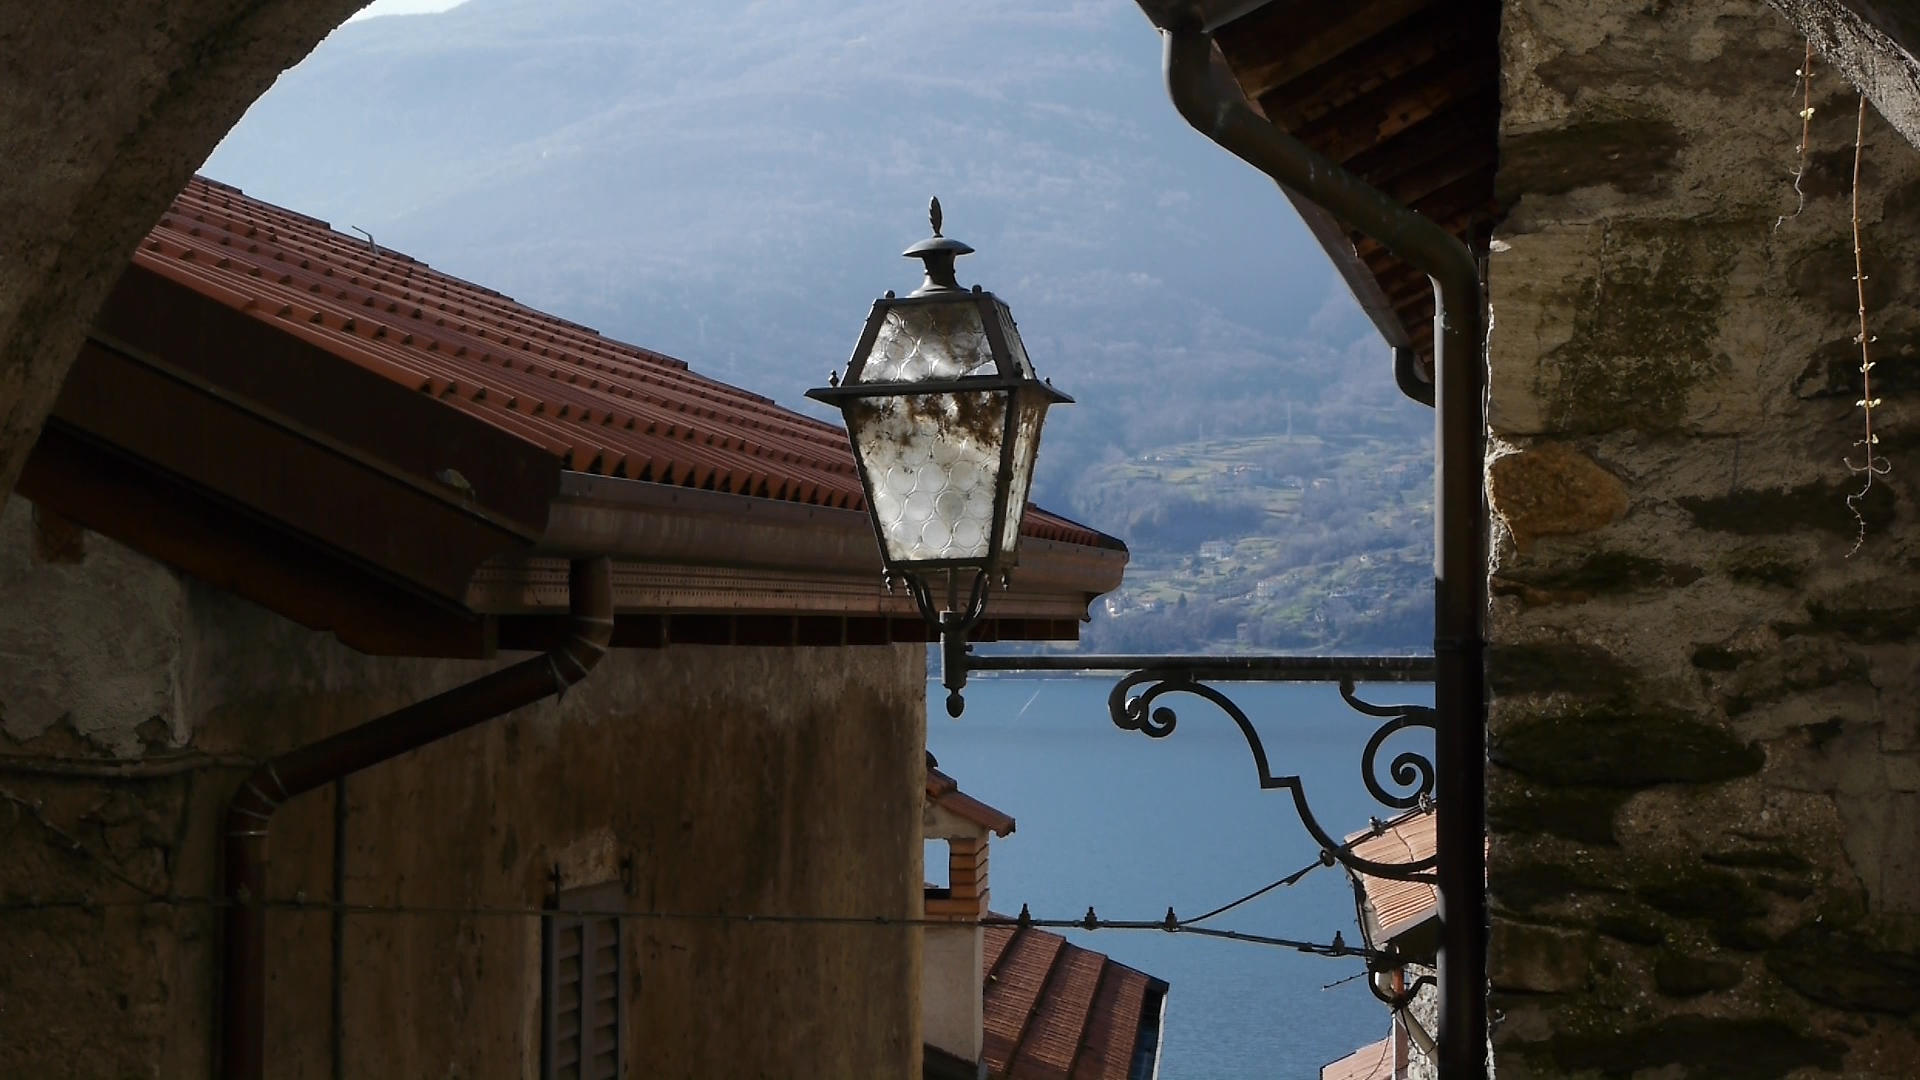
x=1552, y=489
x=1820, y=504
x=1538, y=959
x=1700, y=1047
x=1690, y=975
x=1618, y=747
x=1847, y=971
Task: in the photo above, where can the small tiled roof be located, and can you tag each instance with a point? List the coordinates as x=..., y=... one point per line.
x=943, y=791
x=1394, y=907
x=1055, y=1011
x=598, y=405
x=1371, y=1062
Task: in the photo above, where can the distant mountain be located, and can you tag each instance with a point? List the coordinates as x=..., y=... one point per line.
x=731, y=183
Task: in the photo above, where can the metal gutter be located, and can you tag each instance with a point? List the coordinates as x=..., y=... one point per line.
x=244, y=977
x=1460, y=513
x=663, y=524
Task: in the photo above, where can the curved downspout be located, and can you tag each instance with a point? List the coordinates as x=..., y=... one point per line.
x=244, y=985
x=1406, y=375
x=1460, y=514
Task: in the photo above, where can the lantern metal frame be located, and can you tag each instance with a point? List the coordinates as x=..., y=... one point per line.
x=1013, y=377
x=847, y=395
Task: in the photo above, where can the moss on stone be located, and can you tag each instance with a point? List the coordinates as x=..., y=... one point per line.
x=1570, y=668
x=1847, y=971
x=1821, y=733
x=1748, y=936
x=1644, y=332
x=1759, y=859
x=1581, y=814
x=1704, y=1047
x=1706, y=893
x=1611, y=745
x=1630, y=928
x=1820, y=505
x=1775, y=572
x=1632, y=154
x=1525, y=884
x=1834, y=369
x=1791, y=887
x=1611, y=572
x=1718, y=658
x=1822, y=277
x=1688, y=975
x=1867, y=625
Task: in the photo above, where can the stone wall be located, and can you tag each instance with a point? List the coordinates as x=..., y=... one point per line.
x=1705, y=717
x=725, y=781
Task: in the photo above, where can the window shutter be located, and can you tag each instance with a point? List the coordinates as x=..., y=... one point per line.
x=584, y=987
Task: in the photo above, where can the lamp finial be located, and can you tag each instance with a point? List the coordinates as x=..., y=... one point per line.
x=938, y=253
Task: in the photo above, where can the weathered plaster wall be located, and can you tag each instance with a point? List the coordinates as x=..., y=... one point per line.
x=1705, y=791
x=105, y=110
x=717, y=780
x=114, y=688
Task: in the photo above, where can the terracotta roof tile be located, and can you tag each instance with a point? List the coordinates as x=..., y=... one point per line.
x=1055, y=1011
x=1394, y=907
x=601, y=406
x=1370, y=1062
x=945, y=793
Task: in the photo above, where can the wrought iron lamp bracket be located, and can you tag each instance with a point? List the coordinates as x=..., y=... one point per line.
x=1408, y=770
x=1131, y=705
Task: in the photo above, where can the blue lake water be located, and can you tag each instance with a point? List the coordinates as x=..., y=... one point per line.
x=1131, y=825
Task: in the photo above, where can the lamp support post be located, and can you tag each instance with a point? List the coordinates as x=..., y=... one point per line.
x=1460, y=513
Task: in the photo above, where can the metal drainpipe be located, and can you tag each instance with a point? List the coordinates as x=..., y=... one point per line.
x=1460, y=567
x=244, y=983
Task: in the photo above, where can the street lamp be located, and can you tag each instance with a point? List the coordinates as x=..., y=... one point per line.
x=944, y=413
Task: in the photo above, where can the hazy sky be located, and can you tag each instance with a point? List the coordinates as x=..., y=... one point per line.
x=405, y=7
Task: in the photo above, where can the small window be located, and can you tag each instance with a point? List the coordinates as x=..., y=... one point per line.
x=933, y=863
x=583, y=987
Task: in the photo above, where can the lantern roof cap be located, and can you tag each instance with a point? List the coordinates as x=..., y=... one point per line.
x=937, y=252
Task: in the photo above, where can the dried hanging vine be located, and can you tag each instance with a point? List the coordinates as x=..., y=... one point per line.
x=1871, y=466
x=1805, y=75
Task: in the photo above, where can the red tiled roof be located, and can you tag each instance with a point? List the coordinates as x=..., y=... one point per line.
x=1371, y=1062
x=943, y=791
x=1394, y=907
x=1055, y=1011
x=599, y=405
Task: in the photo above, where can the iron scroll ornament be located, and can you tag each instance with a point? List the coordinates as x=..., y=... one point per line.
x=1408, y=770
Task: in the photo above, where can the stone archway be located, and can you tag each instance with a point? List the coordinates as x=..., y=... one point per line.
x=105, y=110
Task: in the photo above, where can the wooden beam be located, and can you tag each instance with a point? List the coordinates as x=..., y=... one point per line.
x=1284, y=40
x=1391, y=54
x=1397, y=106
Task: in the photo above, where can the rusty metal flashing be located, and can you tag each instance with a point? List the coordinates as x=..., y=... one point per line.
x=757, y=554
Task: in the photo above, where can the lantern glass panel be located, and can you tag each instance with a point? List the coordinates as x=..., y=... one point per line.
x=931, y=462
x=919, y=342
x=1026, y=444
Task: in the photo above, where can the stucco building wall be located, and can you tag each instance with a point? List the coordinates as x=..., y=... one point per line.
x=1705, y=722
x=712, y=780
